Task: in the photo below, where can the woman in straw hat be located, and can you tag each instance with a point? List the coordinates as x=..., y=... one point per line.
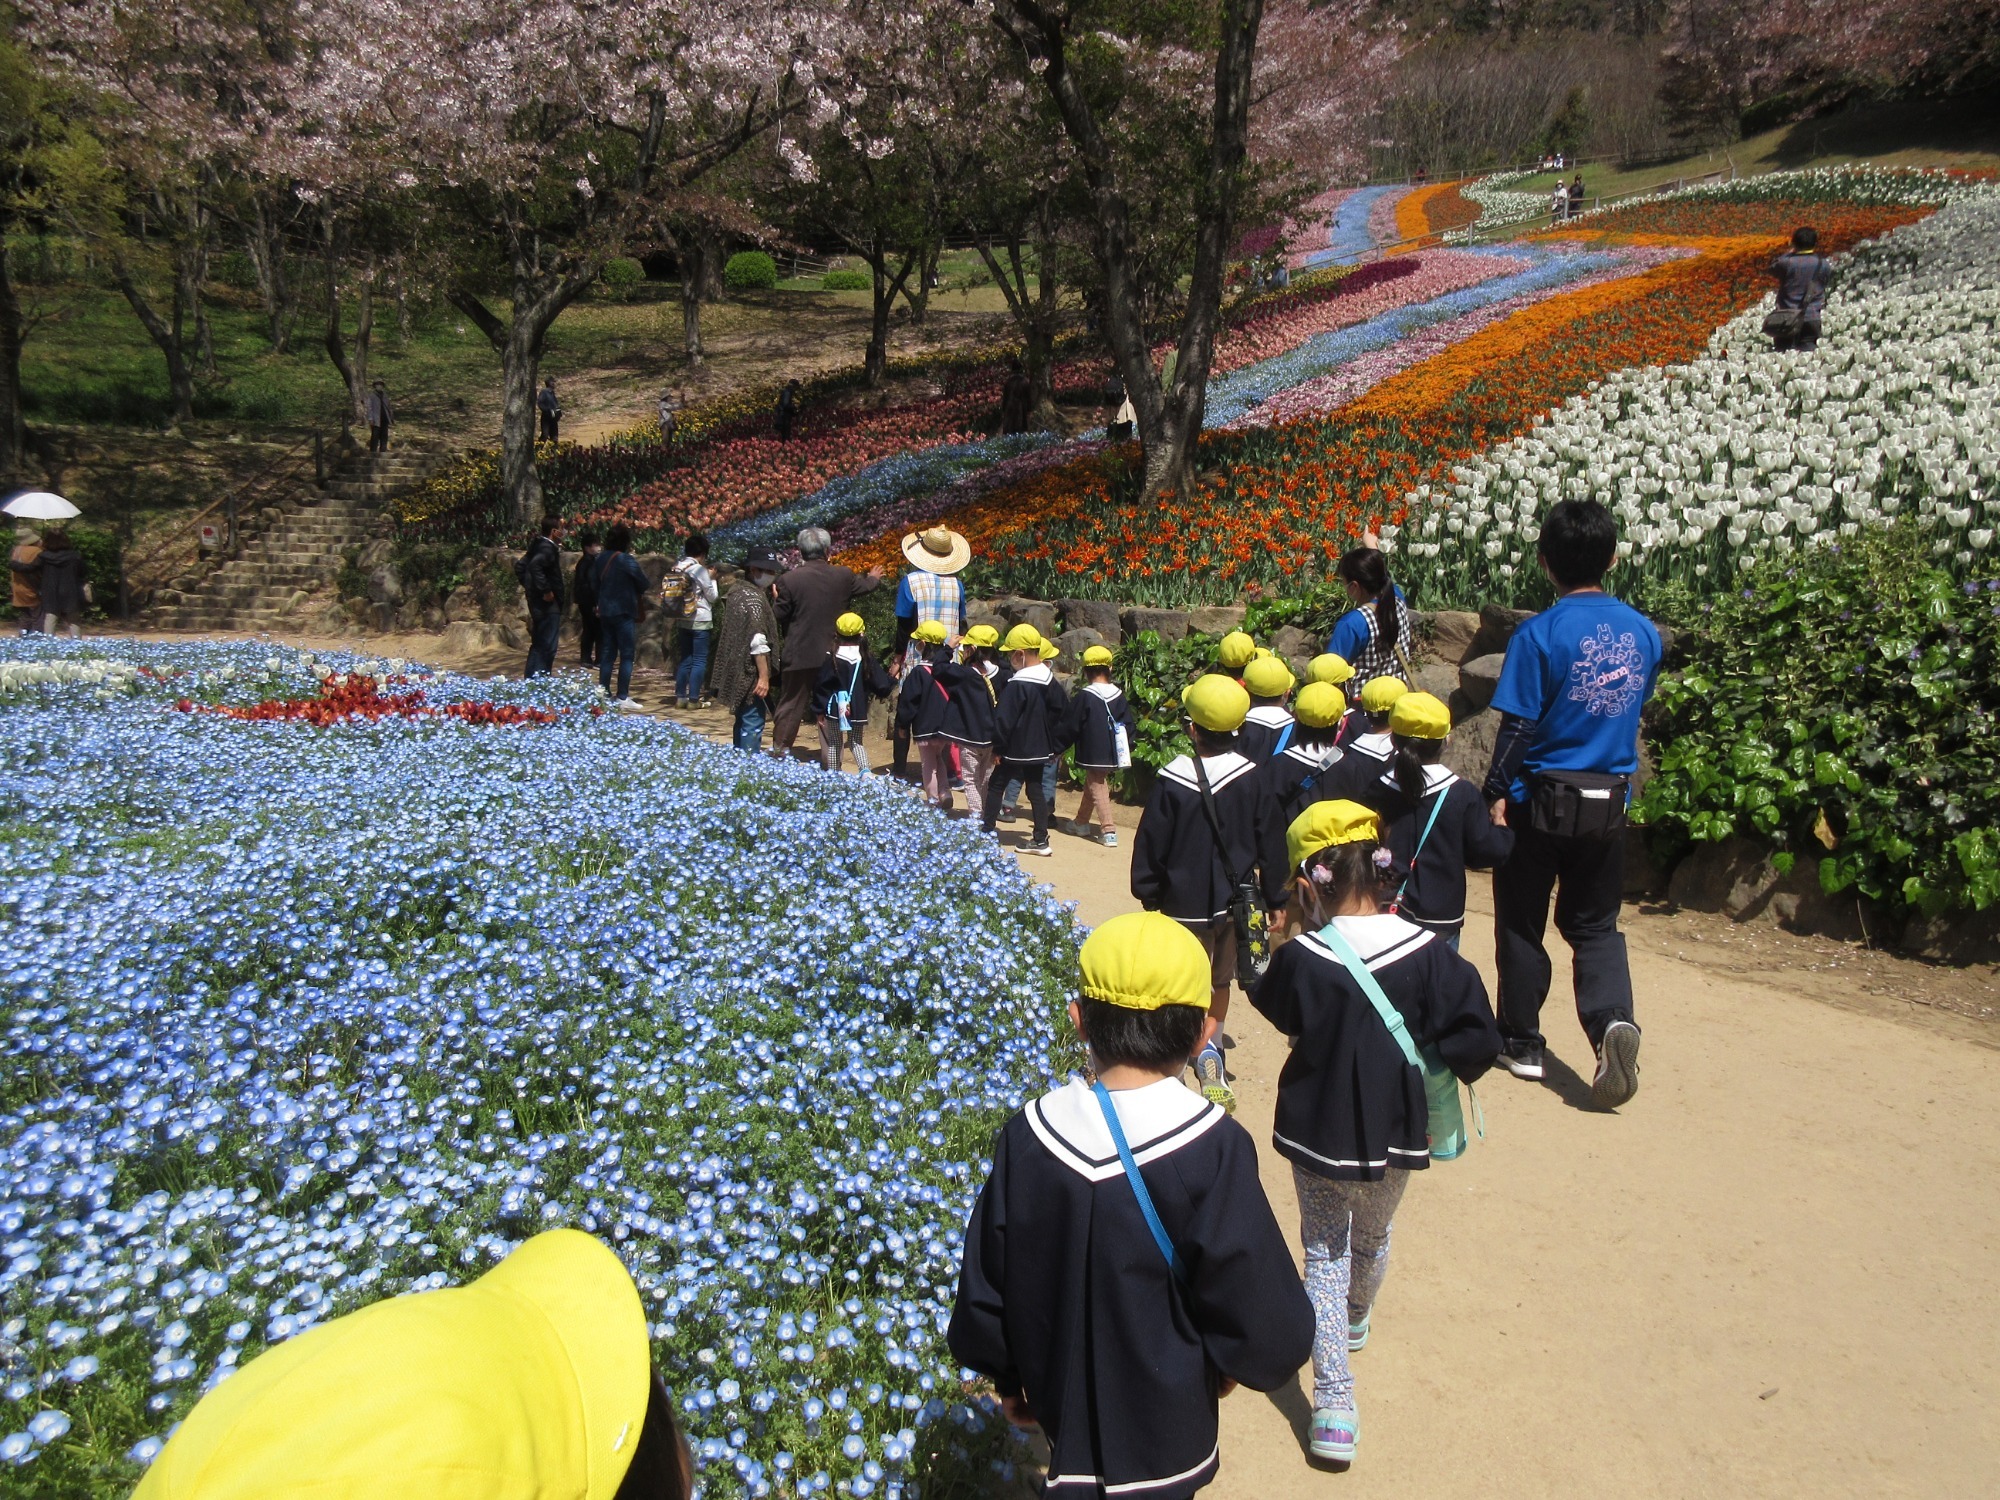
x=929, y=593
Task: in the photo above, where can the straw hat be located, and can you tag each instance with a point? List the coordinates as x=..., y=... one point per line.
x=938, y=550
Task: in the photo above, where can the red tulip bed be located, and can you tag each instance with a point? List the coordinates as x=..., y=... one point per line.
x=356, y=697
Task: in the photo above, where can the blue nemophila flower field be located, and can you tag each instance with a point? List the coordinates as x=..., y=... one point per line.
x=298, y=1018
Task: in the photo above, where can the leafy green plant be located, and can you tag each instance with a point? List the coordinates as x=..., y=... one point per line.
x=1317, y=610
x=1151, y=671
x=622, y=276
x=749, y=270
x=1841, y=706
x=844, y=281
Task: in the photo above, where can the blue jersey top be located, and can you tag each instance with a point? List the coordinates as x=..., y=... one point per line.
x=1582, y=669
x=1351, y=634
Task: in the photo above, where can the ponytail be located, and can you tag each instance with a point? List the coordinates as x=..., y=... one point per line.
x=1368, y=570
x=1410, y=779
x=1336, y=873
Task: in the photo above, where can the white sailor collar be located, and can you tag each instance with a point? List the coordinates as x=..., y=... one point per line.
x=1271, y=715
x=1108, y=691
x=1374, y=746
x=1039, y=672
x=1434, y=777
x=1221, y=770
x=1157, y=1120
x=1381, y=940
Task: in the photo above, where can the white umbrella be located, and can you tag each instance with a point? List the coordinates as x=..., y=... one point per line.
x=40, y=505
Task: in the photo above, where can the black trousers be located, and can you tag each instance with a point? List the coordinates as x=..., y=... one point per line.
x=378, y=437
x=1027, y=775
x=588, y=632
x=1587, y=878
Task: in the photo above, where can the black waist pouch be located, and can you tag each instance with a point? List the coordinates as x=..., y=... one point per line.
x=1578, y=804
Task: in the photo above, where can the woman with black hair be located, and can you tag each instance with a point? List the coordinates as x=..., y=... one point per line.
x=1374, y=636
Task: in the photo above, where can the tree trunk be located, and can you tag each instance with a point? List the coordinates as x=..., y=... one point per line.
x=520, y=362
x=190, y=274
x=875, y=365
x=266, y=245
x=1034, y=315
x=691, y=326
x=166, y=337
x=920, y=298
x=13, y=433
x=709, y=285
x=364, y=339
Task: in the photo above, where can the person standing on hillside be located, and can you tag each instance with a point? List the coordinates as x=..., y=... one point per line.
x=540, y=572
x=583, y=589
x=669, y=419
x=787, y=411
x=379, y=416
x=1803, y=279
x=930, y=591
x=1375, y=636
x=696, y=636
x=811, y=599
x=740, y=677
x=1571, y=689
x=1576, y=195
x=61, y=584
x=25, y=564
x=550, y=407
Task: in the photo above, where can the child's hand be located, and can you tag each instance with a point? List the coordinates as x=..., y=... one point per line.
x=1017, y=1411
x=1225, y=1388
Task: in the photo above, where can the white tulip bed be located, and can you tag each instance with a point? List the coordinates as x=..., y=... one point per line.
x=1499, y=203
x=1745, y=451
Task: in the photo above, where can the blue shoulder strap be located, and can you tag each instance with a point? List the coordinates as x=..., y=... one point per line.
x=1284, y=739
x=1424, y=838
x=1138, y=1183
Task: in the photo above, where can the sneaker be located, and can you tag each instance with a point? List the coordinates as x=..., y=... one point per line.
x=1108, y=838
x=1334, y=1434
x=1214, y=1080
x=1617, y=1065
x=1522, y=1059
x=1006, y=815
x=1040, y=848
x=1357, y=1335
x=628, y=705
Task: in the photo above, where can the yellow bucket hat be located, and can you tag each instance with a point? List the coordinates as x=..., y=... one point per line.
x=529, y=1383
x=1420, y=716
x=1319, y=705
x=931, y=633
x=982, y=635
x=1381, y=693
x=1236, y=651
x=1022, y=638
x=1329, y=668
x=851, y=624
x=1325, y=824
x=1050, y=650
x=1144, y=960
x=1097, y=656
x=1269, y=677
x=1216, y=703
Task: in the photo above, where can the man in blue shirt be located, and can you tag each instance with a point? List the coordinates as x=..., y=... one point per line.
x=1571, y=690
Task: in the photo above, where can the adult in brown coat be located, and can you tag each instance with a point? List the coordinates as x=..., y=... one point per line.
x=25, y=564
x=809, y=599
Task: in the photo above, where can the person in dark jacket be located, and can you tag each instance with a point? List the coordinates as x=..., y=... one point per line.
x=974, y=682
x=1268, y=727
x=1436, y=826
x=1368, y=747
x=740, y=678
x=61, y=584
x=787, y=412
x=1803, y=279
x=549, y=405
x=621, y=601
x=1030, y=729
x=1116, y=1339
x=583, y=592
x=1017, y=399
x=1103, y=730
x=922, y=705
x=1178, y=867
x=1353, y=1112
x=1303, y=773
x=849, y=684
x=540, y=572
x=809, y=599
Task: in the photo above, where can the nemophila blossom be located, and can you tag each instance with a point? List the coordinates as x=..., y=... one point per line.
x=322, y=1012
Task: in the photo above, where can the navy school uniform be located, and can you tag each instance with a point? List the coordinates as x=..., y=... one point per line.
x=1096, y=710
x=1031, y=720
x=1176, y=866
x=1462, y=838
x=1350, y=1106
x=1267, y=729
x=922, y=704
x=1302, y=776
x=862, y=679
x=1065, y=1299
x=975, y=697
x=1364, y=757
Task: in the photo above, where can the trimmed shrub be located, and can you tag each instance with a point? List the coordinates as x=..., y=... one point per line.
x=845, y=281
x=622, y=276
x=750, y=270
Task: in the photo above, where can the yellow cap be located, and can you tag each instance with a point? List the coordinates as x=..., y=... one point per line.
x=1319, y=704
x=1216, y=703
x=1236, y=650
x=1023, y=638
x=1269, y=677
x=1050, y=650
x=1325, y=824
x=1381, y=693
x=530, y=1383
x=1097, y=656
x=1144, y=960
x=931, y=633
x=1420, y=716
x=1329, y=668
x=851, y=624
x=982, y=635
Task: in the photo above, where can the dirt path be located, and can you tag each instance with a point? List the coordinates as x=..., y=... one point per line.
x=1772, y=1274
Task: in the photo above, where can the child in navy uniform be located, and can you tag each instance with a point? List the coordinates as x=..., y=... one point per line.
x=1103, y=730
x=1123, y=1269
x=1268, y=727
x=1030, y=729
x=973, y=681
x=1233, y=653
x=1436, y=826
x=1353, y=1113
x=1366, y=736
x=1299, y=777
x=1179, y=867
x=848, y=685
x=920, y=712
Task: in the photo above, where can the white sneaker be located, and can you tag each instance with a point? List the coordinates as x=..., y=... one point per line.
x=1617, y=1065
x=629, y=705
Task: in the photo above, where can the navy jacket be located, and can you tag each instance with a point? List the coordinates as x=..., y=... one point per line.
x=1176, y=866
x=1094, y=708
x=975, y=700
x=620, y=582
x=1031, y=723
x=1303, y=775
x=1267, y=724
x=863, y=680
x=1463, y=838
x=922, y=704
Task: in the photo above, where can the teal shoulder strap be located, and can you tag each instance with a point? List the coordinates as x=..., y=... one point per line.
x=1423, y=839
x=1372, y=988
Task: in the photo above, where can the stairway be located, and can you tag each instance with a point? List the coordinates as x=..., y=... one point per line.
x=297, y=550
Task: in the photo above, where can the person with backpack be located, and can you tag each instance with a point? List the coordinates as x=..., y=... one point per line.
x=922, y=704
x=1375, y=636
x=696, y=634
x=1436, y=826
x=1103, y=729
x=1382, y=1018
x=1303, y=772
x=540, y=572
x=621, y=605
x=849, y=684
x=1804, y=277
x=1572, y=686
x=1122, y=1270
x=583, y=590
x=1210, y=853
